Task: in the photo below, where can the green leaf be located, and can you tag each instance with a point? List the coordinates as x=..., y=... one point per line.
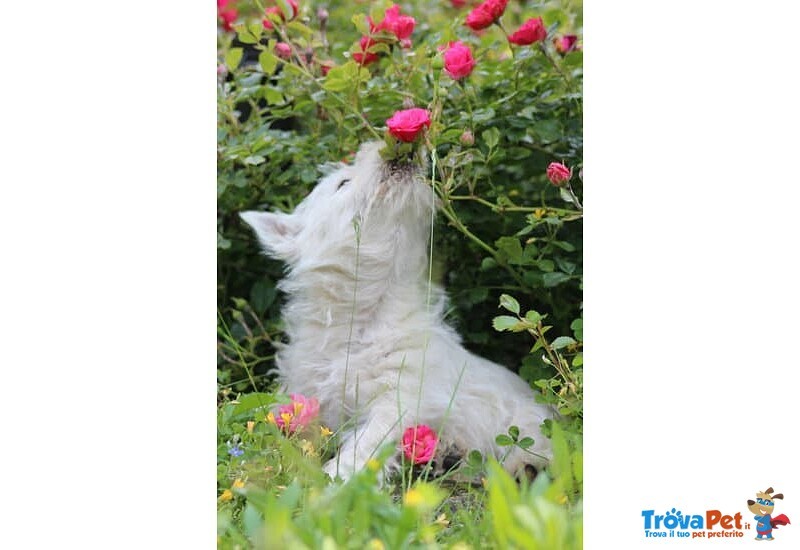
x=505, y=322
x=233, y=57
x=273, y=96
x=562, y=342
x=268, y=62
x=488, y=263
x=554, y=279
x=300, y=28
x=262, y=294
x=533, y=317
x=361, y=23
x=253, y=401
x=254, y=160
x=513, y=431
x=526, y=442
x=491, y=137
x=509, y=303
x=577, y=328
x=511, y=248
x=503, y=440
x=577, y=361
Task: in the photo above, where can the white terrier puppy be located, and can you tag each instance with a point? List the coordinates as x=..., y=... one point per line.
x=366, y=331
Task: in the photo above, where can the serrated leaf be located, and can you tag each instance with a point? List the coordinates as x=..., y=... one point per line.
x=509, y=303
x=268, y=62
x=503, y=440
x=562, y=342
x=505, y=322
x=233, y=57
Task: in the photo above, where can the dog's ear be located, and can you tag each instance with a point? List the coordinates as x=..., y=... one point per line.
x=275, y=231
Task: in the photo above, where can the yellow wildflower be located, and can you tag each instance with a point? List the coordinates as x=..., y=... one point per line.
x=238, y=484
x=413, y=498
x=226, y=495
x=375, y=544
x=373, y=465
x=250, y=425
x=271, y=418
x=325, y=431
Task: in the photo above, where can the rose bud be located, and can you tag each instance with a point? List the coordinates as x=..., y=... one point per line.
x=558, y=174
x=531, y=31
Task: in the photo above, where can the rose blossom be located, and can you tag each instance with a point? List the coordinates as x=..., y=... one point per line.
x=228, y=15
x=419, y=444
x=566, y=43
x=399, y=25
x=364, y=57
x=458, y=60
x=298, y=414
x=283, y=50
x=485, y=14
x=279, y=12
x=407, y=124
x=531, y=31
x=558, y=173
x=478, y=19
x=495, y=8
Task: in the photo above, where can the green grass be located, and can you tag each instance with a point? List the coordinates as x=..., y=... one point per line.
x=275, y=495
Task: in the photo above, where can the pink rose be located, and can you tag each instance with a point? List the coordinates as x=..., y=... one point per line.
x=566, y=43
x=364, y=57
x=458, y=60
x=283, y=50
x=558, y=173
x=495, y=8
x=479, y=19
x=226, y=14
x=419, y=444
x=298, y=414
x=531, y=31
x=399, y=25
x=407, y=124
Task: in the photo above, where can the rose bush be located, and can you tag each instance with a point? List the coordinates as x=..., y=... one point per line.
x=494, y=122
x=503, y=225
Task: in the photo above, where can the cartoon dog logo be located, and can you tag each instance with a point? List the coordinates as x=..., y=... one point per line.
x=762, y=508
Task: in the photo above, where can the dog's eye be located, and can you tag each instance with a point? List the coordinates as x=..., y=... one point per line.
x=342, y=183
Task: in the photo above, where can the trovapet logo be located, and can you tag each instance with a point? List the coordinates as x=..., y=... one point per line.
x=711, y=523
x=716, y=523
x=762, y=507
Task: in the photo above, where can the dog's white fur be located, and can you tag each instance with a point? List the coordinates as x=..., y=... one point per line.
x=366, y=330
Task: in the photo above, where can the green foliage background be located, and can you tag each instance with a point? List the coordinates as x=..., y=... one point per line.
x=524, y=111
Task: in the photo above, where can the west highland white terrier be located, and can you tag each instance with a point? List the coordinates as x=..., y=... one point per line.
x=366, y=331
